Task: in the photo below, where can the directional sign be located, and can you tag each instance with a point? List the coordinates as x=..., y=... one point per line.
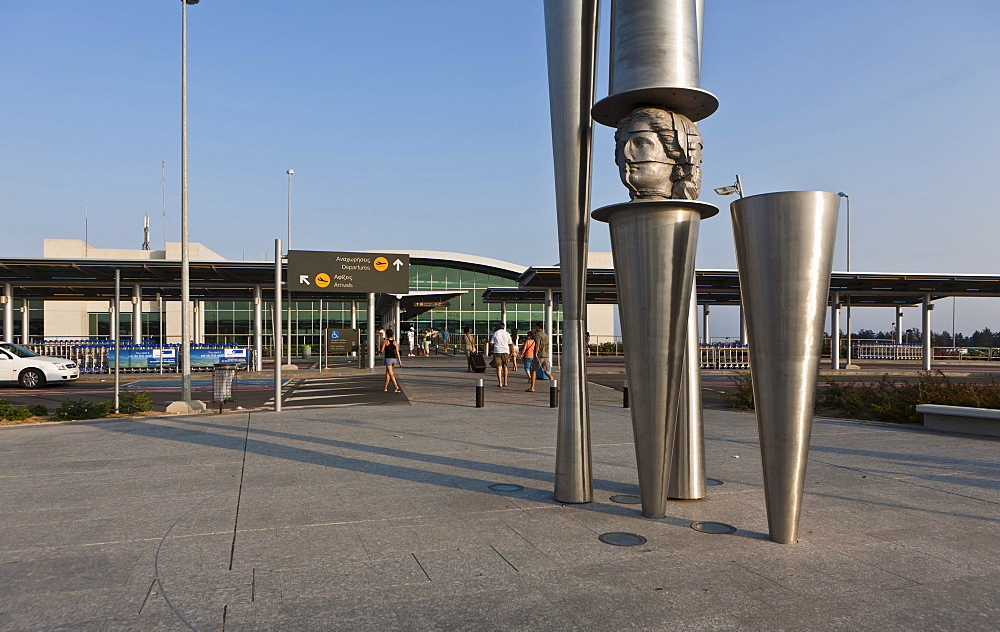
x=360, y=272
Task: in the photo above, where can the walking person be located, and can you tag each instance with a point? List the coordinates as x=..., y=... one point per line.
x=391, y=352
x=501, y=343
x=410, y=335
x=445, y=336
x=513, y=350
x=470, y=347
x=426, y=342
x=543, y=353
x=528, y=360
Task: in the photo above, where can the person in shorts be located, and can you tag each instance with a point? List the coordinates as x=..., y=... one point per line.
x=391, y=351
x=542, y=354
x=501, y=344
x=528, y=360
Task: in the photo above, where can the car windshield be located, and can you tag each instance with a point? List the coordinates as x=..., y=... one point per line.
x=16, y=350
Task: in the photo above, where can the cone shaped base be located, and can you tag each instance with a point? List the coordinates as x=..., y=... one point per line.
x=784, y=250
x=654, y=248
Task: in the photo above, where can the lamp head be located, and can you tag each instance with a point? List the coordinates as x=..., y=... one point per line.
x=191, y=1
x=727, y=190
x=842, y=194
x=290, y=172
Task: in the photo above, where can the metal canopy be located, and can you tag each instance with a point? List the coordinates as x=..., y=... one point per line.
x=722, y=287
x=416, y=303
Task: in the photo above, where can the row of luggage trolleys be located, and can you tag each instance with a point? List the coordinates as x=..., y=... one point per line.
x=98, y=356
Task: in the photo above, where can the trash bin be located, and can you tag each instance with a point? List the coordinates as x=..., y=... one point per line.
x=223, y=383
x=307, y=352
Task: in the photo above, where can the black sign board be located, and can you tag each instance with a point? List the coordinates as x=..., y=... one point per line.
x=341, y=341
x=348, y=272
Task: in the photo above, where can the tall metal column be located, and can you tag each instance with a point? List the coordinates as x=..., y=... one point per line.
x=276, y=325
x=687, y=466
x=547, y=315
x=835, y=331
x=136, y=314
x=706, y=314
x=743, y=327
x=8, y=313
x=185, y=358
x=371, y=330
x=571, y=48
x=926, y=333
x=25, y=322
x=258, y=328
x=784, y=251
x=503, y=313
x=899, y=325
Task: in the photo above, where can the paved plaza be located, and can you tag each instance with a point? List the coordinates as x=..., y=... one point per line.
x=382, y=518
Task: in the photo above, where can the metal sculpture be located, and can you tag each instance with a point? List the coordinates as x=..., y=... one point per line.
x=571, y=34
x=784, y=244
x=654, y=102
x=784, y=250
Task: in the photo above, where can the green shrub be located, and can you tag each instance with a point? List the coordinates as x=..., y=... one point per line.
x=39, y=410
x=742, y=397
x=886, y=400
x=14, y=413
x=73, y=409
x=135, y=402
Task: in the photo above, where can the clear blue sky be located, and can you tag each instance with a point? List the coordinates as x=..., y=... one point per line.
x=425, y=125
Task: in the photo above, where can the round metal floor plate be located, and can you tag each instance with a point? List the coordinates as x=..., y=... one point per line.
x=712, y=482
x=619, y=538
x=505, y=487
x=626, y=499
x=713, y=527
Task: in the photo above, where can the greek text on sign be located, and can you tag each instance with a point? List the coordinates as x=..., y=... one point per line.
x=351, y=272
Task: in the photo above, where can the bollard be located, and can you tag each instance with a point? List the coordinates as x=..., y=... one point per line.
x=625, y=395
x=554, y=394
x=480, y=395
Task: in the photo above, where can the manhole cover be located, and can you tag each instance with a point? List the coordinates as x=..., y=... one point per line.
x=713, y=527
x=618, y=538
x=626, y=499
x=712, y=482
x=505, y=487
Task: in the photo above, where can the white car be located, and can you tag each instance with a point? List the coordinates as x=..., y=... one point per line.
x=31, y=370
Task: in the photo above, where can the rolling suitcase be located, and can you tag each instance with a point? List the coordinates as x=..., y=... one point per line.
x=478, y=362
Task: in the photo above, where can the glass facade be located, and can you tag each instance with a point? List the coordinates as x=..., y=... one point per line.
x=232, y=322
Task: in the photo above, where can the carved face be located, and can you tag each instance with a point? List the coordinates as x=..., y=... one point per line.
x=650, y=155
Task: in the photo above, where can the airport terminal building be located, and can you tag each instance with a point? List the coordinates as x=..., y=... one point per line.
x=446, y=290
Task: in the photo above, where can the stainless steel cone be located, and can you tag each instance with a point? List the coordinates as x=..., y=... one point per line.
x=654, y=244
x=784, y=251
x=571, y=34
x=687, y=468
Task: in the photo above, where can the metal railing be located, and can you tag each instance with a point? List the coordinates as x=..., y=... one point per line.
x=96, y=356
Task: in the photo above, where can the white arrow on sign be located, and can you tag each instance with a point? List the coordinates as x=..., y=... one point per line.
x=398, y=264
x=304, y=278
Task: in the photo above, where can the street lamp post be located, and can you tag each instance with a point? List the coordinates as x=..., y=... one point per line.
x=288, y=247
x=848, y=198
x=185, y=255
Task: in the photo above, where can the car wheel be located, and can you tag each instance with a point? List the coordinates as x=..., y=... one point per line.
x=31, y=378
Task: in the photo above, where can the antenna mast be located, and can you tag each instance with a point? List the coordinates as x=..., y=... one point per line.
x=145, y=232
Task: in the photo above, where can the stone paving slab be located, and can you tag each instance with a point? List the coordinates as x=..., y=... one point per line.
x=377, y=518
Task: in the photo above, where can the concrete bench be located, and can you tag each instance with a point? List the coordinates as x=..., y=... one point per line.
x=979, y=421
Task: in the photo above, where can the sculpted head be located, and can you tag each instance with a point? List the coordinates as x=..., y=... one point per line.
x=658, y=154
